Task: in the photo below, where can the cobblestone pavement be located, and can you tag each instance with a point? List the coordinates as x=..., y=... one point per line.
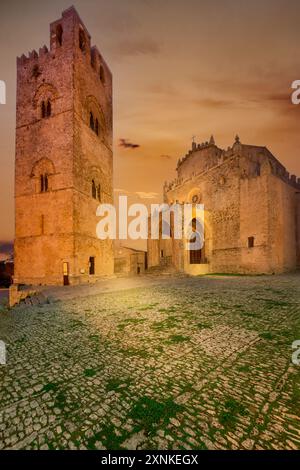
x=191, y=363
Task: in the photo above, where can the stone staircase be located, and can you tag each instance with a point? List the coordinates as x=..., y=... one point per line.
x=155, y=271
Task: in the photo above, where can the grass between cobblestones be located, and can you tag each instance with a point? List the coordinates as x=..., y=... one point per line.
x=195, y=363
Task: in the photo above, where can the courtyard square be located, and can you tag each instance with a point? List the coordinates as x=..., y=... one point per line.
x=154, y=363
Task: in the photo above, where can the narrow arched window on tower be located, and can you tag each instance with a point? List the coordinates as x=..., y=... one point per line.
x=97, y=126
x=42, y=183
x=59, y=35
x=93, y=58
x=101, y=74
x=43, y=109
x=94, y=191
x=92, y=122
x=81, y=40
x=48, y=108
x=46, y=186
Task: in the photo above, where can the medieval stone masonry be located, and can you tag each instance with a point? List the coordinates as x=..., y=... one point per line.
x=64, y=169
x=64, y=159
x=251, y=212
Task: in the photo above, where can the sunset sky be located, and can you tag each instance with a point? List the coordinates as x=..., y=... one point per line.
x=180, y=68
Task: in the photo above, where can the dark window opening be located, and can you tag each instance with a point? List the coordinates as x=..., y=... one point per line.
x=92, y=122
x=92, y=266
x=44, y=183
x=99, y=193
x=93, y=59
x=43, y=109
x=94, y=191
x=36, y=71
x=250, y=242
x=162, y=253
x=195, y=255
x=101, y=74
x=81, y=40
x=59, y=35
x=194, y=224
x=66, y=274
x=48, y=109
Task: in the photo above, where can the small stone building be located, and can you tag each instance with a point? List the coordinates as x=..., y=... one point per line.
x=129, y=261
x=64, y=158
x=251, y=212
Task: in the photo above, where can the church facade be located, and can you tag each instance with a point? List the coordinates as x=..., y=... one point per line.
x=251, y=212
x=64, y=158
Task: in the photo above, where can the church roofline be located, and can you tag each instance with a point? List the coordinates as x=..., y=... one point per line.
x=232, y=152
x=196, y=148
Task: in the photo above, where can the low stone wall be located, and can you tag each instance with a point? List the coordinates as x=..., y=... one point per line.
x=16, y=294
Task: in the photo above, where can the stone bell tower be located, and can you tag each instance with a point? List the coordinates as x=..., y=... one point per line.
x=64, y=159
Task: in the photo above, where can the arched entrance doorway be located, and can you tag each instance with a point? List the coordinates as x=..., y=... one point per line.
x=196, y=244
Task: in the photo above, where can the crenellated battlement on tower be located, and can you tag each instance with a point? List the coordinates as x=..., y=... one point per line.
x=68, y=34
x=33, y=56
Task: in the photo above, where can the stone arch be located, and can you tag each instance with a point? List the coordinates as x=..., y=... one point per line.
x=196, y=256
x=44, y=100
x=97, y=183
x=43, y=165
x=92, y=107
x=42, y=174
x=207, y=236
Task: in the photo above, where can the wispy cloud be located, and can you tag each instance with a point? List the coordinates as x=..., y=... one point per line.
x=136, y=47
x=123, y=191
x=145, y=195
x=128, y=145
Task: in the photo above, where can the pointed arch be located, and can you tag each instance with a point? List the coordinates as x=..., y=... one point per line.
x=44, y=165
x=44, y=100
x=43, y=93
x=92, y=106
